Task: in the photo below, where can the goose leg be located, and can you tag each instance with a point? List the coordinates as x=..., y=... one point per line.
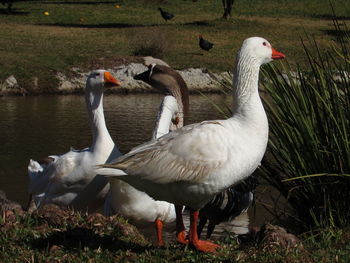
x=200, y=245
x=31, y=206
x=159, y=229
x=201, y=224
x=180, y=227
x=210, y=229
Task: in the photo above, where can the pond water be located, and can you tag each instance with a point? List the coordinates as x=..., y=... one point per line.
x=35, y=127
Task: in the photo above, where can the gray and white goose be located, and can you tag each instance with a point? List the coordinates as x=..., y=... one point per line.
x=229, y=208
x=138, y=207
x=191, y=165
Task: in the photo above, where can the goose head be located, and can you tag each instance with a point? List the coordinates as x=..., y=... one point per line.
x=167, y=81
x=100, y=80
x=97, y=82
x=259, y=50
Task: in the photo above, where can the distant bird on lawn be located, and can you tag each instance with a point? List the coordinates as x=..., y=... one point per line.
x=205, y=44
x=166, y=15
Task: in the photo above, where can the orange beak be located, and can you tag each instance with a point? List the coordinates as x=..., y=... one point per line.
x=277, y=55
x=110, y=79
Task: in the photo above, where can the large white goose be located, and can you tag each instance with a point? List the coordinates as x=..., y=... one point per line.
x=70, y=179
x=138, y=207
x=191, y=165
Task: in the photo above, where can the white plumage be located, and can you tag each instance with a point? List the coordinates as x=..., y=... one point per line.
x=192, y=164
x=138, y=207
x=70, y=179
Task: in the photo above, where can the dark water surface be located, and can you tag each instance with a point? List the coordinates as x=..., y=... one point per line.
x=35, y=127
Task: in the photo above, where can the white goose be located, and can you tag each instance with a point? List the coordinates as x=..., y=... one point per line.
x=192, y=164
x=70, y=179
x=138, y=207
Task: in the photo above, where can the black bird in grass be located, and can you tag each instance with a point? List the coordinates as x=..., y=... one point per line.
x=228, y=205
x=9, y=4
x=205, y=44
x=166, y=15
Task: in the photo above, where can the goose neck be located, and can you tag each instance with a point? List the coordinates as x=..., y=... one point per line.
x=100, y=134
x=180, y=108
x=168, y=111
x=245, y=84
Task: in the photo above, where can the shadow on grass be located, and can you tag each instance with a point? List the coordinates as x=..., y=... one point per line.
x=79, y=237
x=75, y=2
x=13, y=12
x=195, y=53
x=109, y=25
x=125, y=25
x=199, y=23
x=340, y=35
x=331, y=17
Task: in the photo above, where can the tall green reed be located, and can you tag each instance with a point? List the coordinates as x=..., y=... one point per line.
x=309, y=150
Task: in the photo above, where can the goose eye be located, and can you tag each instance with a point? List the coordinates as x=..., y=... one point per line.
x=264, y=43
x=97, y=74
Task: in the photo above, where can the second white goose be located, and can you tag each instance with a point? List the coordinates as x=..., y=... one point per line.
x=70, y=180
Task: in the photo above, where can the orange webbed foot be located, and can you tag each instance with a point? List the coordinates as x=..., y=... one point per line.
x=181, y=237
x=160, y=243
x=205, y=246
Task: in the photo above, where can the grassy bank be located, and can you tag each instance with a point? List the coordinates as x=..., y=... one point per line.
x=54, y=235
x=90, y=34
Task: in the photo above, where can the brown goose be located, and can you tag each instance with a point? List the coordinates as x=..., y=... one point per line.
x=139, y=208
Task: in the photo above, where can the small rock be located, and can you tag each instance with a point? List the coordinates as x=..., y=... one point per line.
x=35, y=81
x=9, y=207
x=151, y=60
x=271, y=236
x=11, y=87
x=11, y=82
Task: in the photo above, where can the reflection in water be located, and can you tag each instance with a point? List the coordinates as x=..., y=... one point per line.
x=35, y=127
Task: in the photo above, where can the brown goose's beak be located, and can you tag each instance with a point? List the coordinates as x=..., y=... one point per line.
x=110, y=80
x=277, y=55
x=146, y=75
x=142, y=76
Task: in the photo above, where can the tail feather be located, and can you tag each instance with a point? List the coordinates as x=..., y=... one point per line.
x=38, y=179
x=34, y=167
x=109, y=171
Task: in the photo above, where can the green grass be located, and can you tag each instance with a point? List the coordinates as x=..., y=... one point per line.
x=65, y=236
x=79, y=33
